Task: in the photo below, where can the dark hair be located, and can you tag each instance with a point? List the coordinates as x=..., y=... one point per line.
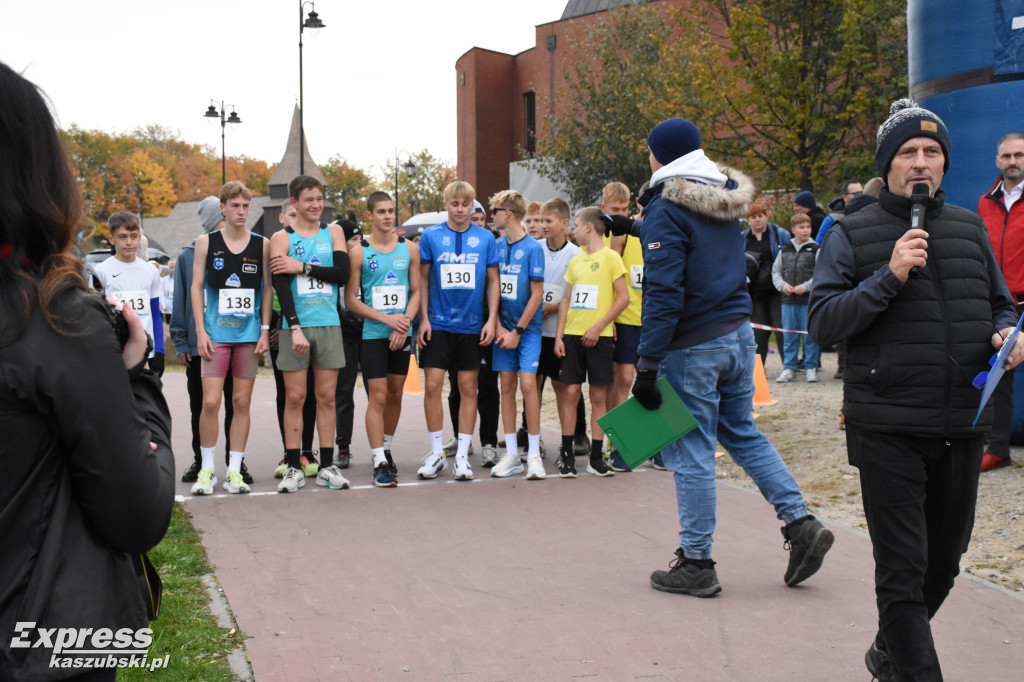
x=376, y=198
x=845, y=188
x=40, y=208
x=303, y=182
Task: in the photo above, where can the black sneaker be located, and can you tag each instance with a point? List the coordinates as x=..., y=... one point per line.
x=342, y=457
x=879, y=665
x=522, y=438
x=599, y=467
x=382, y=476
x=391, y=463
x=683, y=577
x=566, y=466
x=807, y=541
x=618, y=464
x=581, y=445
x=192, y=473
x=246, y=476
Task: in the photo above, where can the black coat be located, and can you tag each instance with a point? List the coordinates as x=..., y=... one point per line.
x=82, y=494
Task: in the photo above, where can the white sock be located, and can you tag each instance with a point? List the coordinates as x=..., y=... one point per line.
x=465, y=439
x=235, y=460
x=511, y=443
x=534, y=440
x=436, y=443
x=387, y=441
x=378, y=457
x=208, y=455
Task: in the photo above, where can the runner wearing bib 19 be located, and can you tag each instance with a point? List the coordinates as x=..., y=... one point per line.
x=385, y=268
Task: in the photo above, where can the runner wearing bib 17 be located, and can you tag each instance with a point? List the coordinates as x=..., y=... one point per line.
x=231, y=303
x=458, y=267
x=385, y=268
x=309, y=261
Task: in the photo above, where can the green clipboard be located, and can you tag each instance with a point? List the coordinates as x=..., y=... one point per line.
x=639, y=433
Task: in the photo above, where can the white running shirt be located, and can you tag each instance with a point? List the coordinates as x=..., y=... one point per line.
x=555, y=265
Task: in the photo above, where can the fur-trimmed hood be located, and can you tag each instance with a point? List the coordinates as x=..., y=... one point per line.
x=721, y=204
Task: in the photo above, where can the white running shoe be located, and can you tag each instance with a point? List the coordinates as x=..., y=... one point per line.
x=786, y=376
x=535, y=468
x=331, y=477
x=812, y=376
x=488, y=455
x=292, y=480
x=205, y=482
x=463, y=472
x=432, y=466
x=234, y=483
x=508, y=466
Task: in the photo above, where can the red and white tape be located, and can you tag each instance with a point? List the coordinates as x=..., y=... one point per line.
x=776, y=329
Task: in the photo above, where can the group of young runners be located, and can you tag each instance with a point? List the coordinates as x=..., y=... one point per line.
x=547, y=307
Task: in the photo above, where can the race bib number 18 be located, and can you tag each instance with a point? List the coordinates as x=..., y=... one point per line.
x=311, y=286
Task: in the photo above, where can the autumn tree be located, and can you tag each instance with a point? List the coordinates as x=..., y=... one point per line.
x=421, y=190
x=347, y=186
x=787, y=90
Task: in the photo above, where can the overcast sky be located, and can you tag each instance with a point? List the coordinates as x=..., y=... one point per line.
x=380, y=75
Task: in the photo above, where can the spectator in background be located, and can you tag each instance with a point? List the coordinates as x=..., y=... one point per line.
x=762, y=242
x=848, y=190
x=1003, y=214
x=533, y=222
x=804, y=202
x=792, y=275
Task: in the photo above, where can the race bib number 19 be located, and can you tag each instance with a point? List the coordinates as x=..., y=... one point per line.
x=389, y=299
x=458, y=276
x=584, y=297
x=237, y=302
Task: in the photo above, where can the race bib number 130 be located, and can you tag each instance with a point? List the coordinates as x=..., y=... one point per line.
x=458, y=276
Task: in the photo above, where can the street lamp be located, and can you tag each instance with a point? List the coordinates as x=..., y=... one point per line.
x=312, y=21
x=409, y=168
x=211, y=112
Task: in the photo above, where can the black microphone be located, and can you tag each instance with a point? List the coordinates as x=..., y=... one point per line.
x=919, y=197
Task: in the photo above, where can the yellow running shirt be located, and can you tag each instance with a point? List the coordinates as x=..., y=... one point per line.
x=633, y=261
x=591, y=278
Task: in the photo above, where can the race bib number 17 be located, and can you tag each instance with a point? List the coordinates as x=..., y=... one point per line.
x=584, y=297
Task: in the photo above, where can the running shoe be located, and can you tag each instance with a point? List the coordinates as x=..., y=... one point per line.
x=391, y=463
x=309, y=464
x=246, y=476
x=488, y=456
x=451, y=446
x=192, y=473
x=463, y=472
x=204, y=482
x=508, y=466
x=581, y=444
x=292, y=480
x=331, y=477
x=617, y=463
x=342, y=457
x=282, y=467
x=234, y=483
x=599, y=467
x=567, y=466
x=382, y=476
x=432, y=466
x=535, y=469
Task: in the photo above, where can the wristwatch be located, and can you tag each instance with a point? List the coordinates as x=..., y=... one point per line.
x=307, y=269
x=520, y=330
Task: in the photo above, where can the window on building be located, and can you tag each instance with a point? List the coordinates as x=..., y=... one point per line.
x=530, y=105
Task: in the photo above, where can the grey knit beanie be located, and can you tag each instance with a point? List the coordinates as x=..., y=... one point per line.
x=907, y=121
x=209, y=213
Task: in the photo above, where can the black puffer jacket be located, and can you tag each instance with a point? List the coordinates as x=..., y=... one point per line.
x=82, y=494
x=912, y=348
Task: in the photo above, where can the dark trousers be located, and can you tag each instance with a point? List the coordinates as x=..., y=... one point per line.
x=308, y=407
x=344, y=403
x=997, y=441
x=919, y=499
x=194, y=385
x=767, y=310
x=488, y=399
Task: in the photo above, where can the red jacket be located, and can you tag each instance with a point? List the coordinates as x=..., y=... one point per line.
x=1006, y=232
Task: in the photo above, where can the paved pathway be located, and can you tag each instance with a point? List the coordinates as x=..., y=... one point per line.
x=539, y=580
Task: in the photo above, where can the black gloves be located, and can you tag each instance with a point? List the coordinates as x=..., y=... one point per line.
x=617, y=225
x=646, y=392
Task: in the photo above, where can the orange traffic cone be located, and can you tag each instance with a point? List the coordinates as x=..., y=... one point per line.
x=761, y=394
x=412, y=379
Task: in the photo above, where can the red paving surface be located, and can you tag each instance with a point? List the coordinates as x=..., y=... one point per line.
x=539, y=580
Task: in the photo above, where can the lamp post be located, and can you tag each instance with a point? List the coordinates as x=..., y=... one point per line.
x=312, y=21
x=211, y=112
x=409, y=168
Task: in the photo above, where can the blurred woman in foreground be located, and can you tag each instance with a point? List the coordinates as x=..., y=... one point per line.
x=87, y=483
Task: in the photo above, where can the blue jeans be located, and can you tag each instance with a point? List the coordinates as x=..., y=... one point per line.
x=794, y=316
x=715, y=380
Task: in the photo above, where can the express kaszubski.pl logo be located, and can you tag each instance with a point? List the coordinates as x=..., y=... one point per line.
x=89, y=647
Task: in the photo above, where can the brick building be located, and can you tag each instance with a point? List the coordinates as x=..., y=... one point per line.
x=504, y=101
